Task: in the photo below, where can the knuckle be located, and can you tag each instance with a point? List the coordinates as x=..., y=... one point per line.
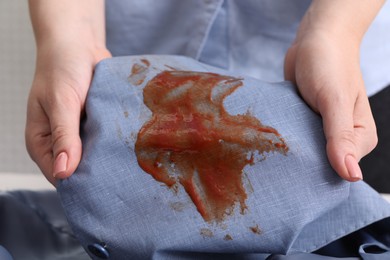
x=346, y=137
x=36, y=145
x=372, y=141
x=59, y=134
x=30, y=148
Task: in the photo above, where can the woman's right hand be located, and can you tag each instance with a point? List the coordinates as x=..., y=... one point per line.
x=63, y=76
x=67, y=52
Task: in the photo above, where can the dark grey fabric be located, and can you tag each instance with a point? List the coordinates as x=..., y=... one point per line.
x=45, y=204
x=33, y=226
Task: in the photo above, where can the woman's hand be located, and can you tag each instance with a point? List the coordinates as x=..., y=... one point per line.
x=328, y=76
x=70, y=41
x=324, y=63
x=56, y=100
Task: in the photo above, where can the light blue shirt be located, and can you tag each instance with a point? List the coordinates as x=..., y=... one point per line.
x=250, y=37
x=297, y=201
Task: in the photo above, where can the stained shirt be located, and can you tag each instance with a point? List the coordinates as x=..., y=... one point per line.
x=130, y=199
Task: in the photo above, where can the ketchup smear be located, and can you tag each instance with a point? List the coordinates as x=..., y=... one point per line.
x=191, y=140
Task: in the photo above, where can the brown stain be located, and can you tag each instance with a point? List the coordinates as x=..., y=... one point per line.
x=206, y=233
x=138, y=72
x=228, y=237
x=255, y=230
x=191, y=140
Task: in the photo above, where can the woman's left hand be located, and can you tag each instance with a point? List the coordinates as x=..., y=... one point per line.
x=324, y=63
x=327, y=72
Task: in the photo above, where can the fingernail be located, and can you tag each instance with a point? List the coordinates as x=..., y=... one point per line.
x=353, y=168
x=60, y=164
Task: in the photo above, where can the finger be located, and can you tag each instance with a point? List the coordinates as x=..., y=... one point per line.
x=38, y=139
x=42, y=156
x=64, y=114
x=342, y=147
x=365, y=129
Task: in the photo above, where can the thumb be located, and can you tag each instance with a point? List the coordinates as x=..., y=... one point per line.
x=64, y=117
x=342, y=144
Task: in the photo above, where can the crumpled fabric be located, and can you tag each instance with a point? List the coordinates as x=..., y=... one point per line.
x=297, y=201
x=33, y=226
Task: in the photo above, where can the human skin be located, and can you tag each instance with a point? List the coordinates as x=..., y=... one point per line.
x=70, y=37
x=323, y=61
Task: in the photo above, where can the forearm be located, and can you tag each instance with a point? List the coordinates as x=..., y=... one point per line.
x=343, y=19
x=68, y=21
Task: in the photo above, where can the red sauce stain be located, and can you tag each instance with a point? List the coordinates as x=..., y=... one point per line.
x=191, y=140
x=138, y=72
x=255, y=229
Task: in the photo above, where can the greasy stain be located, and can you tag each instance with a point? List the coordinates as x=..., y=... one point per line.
x=206, y=233
x=191, y=140
x=138, y=72
x=227, y=237
x=255, y=230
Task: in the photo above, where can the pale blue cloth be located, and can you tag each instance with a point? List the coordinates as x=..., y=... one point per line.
x=4, y=254
x=250, y=37
x=298, y=201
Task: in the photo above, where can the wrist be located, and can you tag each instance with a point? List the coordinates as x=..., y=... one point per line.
x=339, y=20
x=68, y=25
x=319, y=32
x=84, y=49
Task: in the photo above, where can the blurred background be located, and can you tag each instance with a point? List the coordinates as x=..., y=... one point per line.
x=17, y=61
